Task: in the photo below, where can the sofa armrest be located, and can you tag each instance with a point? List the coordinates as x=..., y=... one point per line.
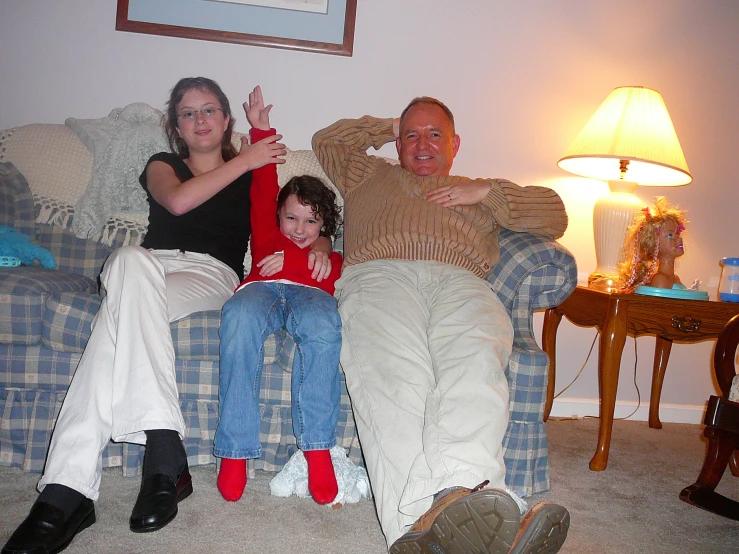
x=533, y=273
x=546, y=268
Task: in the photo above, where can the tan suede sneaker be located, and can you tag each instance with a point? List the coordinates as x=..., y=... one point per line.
x=543, y=530
x=465, y=521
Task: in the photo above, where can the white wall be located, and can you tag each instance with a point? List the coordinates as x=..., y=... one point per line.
x=522, y=76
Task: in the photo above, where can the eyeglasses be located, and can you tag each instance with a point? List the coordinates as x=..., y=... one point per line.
x=206, y=113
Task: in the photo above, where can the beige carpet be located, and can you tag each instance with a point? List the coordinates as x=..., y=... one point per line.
x=632, y=507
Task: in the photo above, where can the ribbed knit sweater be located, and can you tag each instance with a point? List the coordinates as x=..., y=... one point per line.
x=387, y=216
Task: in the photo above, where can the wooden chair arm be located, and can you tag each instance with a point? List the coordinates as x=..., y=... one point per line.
x=725, y=355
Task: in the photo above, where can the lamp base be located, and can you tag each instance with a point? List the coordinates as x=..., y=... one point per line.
x=604, y=282
x=612, y=215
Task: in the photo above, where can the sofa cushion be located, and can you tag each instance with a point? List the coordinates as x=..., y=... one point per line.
x=67, y=320
x=16, y=200
x=195, y=337
x=72, y=254
x=23, y=295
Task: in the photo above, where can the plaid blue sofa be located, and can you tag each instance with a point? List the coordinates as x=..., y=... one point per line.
x=45, y=318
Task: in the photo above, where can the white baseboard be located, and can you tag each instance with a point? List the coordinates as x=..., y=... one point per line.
x=668, y=413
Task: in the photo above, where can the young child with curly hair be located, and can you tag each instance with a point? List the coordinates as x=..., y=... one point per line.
x=283, y=291
x=653, y=243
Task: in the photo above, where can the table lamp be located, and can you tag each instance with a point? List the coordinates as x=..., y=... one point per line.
x=629, y=141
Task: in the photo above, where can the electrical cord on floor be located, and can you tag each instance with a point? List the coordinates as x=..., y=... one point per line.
x=581, y=368
x=638, y=392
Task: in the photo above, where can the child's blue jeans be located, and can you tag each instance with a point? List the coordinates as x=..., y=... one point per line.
x=311, y=316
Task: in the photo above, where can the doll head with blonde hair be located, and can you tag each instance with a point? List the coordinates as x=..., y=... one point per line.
x=653, y=242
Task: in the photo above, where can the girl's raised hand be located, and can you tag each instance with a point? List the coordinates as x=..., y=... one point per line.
x=257, y=114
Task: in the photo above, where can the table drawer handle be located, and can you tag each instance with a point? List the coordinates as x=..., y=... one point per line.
x=686, y=323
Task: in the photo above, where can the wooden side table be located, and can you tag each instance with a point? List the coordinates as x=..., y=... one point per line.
x=616, y=315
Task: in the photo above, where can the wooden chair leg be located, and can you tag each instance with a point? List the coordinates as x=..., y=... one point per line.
x=721, y=446
x=722, y=431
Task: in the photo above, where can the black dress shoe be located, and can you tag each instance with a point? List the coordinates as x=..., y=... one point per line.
x=156, y=505
x=45, y=531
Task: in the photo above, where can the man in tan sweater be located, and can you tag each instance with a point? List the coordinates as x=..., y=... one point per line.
x=425, y=340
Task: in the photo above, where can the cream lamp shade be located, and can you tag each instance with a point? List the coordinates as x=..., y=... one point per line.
x=629, y=141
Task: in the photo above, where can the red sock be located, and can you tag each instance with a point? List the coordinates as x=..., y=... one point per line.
x=232, y=478
x=321, y=477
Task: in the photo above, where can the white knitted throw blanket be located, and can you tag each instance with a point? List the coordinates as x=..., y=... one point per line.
x=121, y=145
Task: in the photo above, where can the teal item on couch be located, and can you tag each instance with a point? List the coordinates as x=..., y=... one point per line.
x=15, y=244
x=9, y=261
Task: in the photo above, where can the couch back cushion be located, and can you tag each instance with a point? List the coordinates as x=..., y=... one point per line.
x=16, y=200
x=52, y=159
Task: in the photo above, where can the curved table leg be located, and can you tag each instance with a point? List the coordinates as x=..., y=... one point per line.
x=612, y=342
x=549, y=343
x=661, y=356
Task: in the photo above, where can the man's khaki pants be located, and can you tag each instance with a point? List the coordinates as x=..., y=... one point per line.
x=424, y=349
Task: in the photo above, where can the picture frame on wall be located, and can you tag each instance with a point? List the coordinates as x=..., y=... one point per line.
x=317, y=6
x=319, y=26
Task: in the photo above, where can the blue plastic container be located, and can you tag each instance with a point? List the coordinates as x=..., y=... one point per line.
x=728, y=285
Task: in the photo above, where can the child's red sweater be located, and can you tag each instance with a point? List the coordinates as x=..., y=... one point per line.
x=266, y=237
